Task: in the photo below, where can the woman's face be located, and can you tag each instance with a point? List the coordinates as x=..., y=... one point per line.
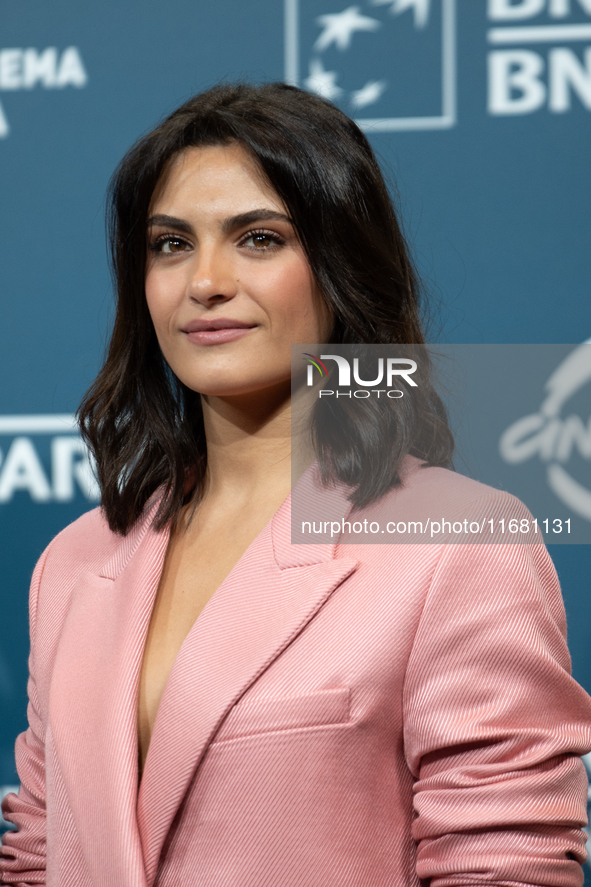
x=228, y=285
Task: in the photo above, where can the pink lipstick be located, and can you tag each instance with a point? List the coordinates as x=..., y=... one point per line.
x=216, y=332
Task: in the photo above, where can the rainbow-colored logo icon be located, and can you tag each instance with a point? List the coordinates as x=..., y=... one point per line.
x=314, y=361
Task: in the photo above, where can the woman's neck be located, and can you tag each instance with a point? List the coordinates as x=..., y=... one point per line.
x=250, y=446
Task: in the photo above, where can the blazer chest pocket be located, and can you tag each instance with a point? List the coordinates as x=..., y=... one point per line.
x=269, y=715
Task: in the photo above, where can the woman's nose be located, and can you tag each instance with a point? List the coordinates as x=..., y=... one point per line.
x=212, y=279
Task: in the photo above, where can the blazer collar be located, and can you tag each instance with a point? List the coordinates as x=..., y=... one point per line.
x=311, y=504
x=94, y=699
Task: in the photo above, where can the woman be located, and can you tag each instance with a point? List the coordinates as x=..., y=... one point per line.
x=211, y=704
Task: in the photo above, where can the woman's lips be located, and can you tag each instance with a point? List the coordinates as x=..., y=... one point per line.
x=216, y=331
x=217, y=337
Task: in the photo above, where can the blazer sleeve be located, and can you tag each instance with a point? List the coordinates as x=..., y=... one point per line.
x=22, y=860
x=495, y=724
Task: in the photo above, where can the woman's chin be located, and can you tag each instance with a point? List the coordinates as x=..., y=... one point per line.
x=246, y=389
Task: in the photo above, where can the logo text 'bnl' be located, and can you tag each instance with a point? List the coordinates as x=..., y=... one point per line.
x=557, y=70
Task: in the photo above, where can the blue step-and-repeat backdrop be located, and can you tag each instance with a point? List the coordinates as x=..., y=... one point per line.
x=480, y=112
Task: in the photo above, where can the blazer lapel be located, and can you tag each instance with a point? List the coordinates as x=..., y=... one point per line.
x=267, y=599
x=94, y=699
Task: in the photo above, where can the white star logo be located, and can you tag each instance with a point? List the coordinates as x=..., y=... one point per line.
x=322, y=82
x=421, y=8
x=340, y=26
x=370, y=93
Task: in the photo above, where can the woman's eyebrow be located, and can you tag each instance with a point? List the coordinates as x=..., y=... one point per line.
x=170, y=222
x=229, y=224
x=252, y=216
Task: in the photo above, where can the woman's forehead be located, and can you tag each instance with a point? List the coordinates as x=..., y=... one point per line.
x=209, y=172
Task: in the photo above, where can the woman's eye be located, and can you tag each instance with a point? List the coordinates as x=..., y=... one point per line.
x=172, y=245
x=262, y=240
x=169, y=245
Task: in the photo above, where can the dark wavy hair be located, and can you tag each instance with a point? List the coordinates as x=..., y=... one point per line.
x=144, y=427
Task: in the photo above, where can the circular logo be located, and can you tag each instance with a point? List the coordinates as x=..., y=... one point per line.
x=553, y=437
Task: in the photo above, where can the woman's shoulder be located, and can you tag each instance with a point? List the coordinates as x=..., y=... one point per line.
x=434, y=489
x=437, y=505
x=483, y=540
x=88, y=543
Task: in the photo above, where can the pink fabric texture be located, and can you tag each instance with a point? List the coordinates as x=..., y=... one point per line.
x=338, y=716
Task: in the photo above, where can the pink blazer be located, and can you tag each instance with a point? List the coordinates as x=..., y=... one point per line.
x=339, y=716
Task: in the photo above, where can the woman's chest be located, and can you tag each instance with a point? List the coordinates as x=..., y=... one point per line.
x=190, y=577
